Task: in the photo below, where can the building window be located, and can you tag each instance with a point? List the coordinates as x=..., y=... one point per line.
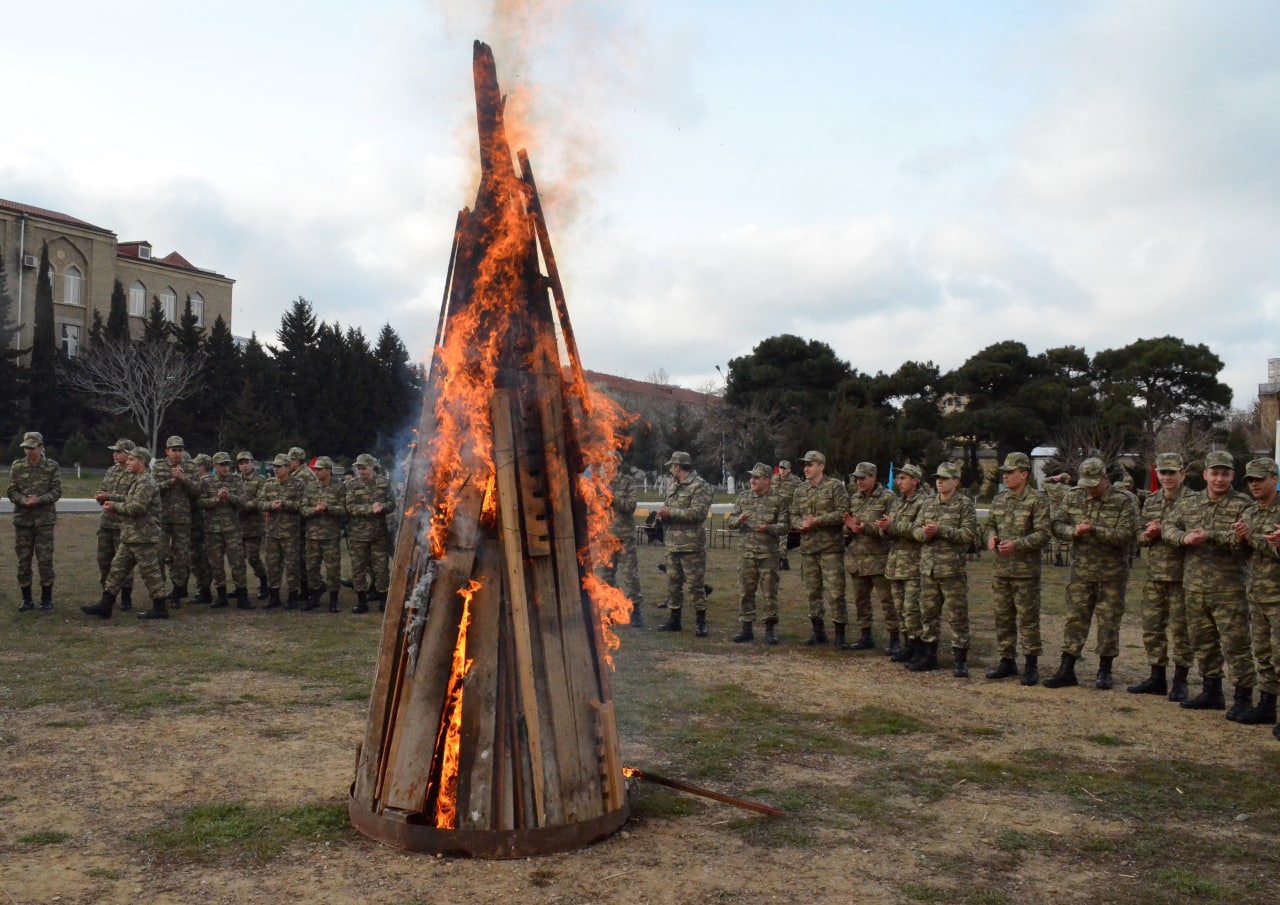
x=197, y=308
x=138, y=300
x=72, y=285
x=70, y=340
x=167, y=300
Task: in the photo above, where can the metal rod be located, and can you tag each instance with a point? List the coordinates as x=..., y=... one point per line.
x=634, y=773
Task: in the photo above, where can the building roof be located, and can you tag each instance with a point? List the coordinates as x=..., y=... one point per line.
x=31, y=210
x=649, y=390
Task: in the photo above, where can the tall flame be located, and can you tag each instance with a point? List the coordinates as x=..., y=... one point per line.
x=447, y=799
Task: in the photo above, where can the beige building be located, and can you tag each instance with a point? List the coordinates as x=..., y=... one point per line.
x=86, y=260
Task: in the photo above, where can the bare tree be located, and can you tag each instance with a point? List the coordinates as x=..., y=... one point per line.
x=1083, y=439
x=138, y=380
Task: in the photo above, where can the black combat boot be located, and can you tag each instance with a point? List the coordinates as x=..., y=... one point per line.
x=926, y=658
x=102, y=607
x=158, y=610
x=46, y=598
x=961, y=657
x=819, y=635
x=381, y=597
x=126, y=599
x=700, y=623
x=637, y=614
x=313, y=601
x=333, y=602
x=203, y=595
x=841, y=642
x=1004, y=669
x=223, y=601
x=27, y=603
x=673, y=621
x=895, y=645
x=242, y=599
x=1262, y=713
x=291, y=601
x=1066, y=674
x=1242, y=703
x=1178, y=687
x=864, y=642
x=273, y=599
x=908, y=651
x=1152, y=684
x=771, y=631
x=174, y=600
x=1209, y=698
x=263, y=591
x=362, y=602
x=744, y=634
x=1104, y=681
x=1031, y=671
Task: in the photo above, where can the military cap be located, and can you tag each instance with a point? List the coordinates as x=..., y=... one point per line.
x=121, y=445
x=1261, y=468
x=912, y=471
x=297, y=453
x=785, y=463
x=1169, y=462
x=280, y=461
x=174, y=442
x=366, y=459
x=32, y=439
x=1092, y=472
x=244, y=456
x=141, y=453
x=323, y=462
x=1219, y=459
x=221, y=458
x=814, y=456
x=1016, y=460
x=760, y=470
x=679, y=458
x=947, y=470
x=865, y=470
x=203, y=459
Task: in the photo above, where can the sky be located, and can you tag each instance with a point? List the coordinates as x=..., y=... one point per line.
x=905, y=181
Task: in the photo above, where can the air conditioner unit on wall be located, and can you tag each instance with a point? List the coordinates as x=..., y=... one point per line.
x=29, y=261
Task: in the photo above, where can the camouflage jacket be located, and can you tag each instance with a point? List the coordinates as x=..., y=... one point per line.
x=1024, y=519
x=221, y=516
x=623, y=490
x=287, y=519
x=829, y=503
x=768, y=510
x=140, y=511
x=1263, y=576
x=363, y=524
x=957, y=520
x=868, y=553
x=325, y=525
x=689, y=502
x=904, y=555
x=176, y=496
x=1218, y=563
x=1164, y=563
x=785, y=487
x=40, y=480
x=251, y=521
x=1103, y=554
x=115, y=483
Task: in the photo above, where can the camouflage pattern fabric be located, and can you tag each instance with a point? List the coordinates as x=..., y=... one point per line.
x=1263, y=588
x=367, y=539
x=866, y=557
x=902, y=568
x=689, y=501
x=1023, y=518
x=115, y=484
x=758, y=559
x=139, y=533
x=822, y=549
x=1099, y=565
x=252, y=524
x=1164, y=609
x=324, y=533
x=33, y=525
x=223, y=542
x=625, y=562
x=284, y=524
x=943, y=569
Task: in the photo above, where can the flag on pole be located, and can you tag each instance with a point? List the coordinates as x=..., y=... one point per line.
x=889, y=482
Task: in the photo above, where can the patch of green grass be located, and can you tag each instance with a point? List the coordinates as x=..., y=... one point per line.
x=982, y=732
x=661, y=803
x=926, y=892
x=101, y=873
x=155, y=699
x=1108, y=741
x=1188, y=883
x=871, y=720
x=44, y=837
x=67, y=724
x=1018, y=841
x=772, y=832
x=212, y=831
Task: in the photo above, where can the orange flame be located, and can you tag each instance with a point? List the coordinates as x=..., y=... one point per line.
x=447, y=800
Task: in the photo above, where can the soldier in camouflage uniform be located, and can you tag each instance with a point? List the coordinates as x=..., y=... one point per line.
x=221, y=502
x=298, y=466
x=946, y=526
x=139, y=514
x=113, y=487
x=1259, y=527
x=281, y=502
x=1163, y=607
x=784, y=484
x=176, y=483
x=370, y=500
x=760, y=515
x=1213, y=574
x=866, y=555
x=1016, y=531
x=818, y=508
x=902, y=568
x=1055, y=488
x=1099, y=522
x=252, y=525
x=683, y=513
x=199, y=552
x=34, y=488
x=324, y=507
x=622, y=492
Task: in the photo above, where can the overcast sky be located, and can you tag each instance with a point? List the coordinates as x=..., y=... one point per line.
x=901, y=180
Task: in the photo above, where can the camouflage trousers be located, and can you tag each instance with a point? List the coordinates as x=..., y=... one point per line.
x=906, y=600
x=758, y=572
x=1265, y=618
x=687, y=568
x=34, y=541
x=146, y=558
x=253, y=557
x=281, y=554
x=1218, y=623
x=222, y=549
x=108, y=542
x=200, y=557
x=624, y=570
x=953, y=593
x=326, y=552
x=1163, y=608
x=370, y=564
x=174, y=552
x=1017, y=609
x=867, y=589
x=1083, y=599
x=823, y=575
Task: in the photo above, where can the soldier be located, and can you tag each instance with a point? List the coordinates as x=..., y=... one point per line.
x=1213, y=575
x=324, y=506
x=299, y=469
x=251, y=523
x=760, y=515
x=1259, y=526
x=902, y=568
x=622, y=492
x=946, y=526
x=221, y=502
x=34, y=488
x=139, y=532
x=370, y=500
x=281, y=502
x=1016, y=530
x=785, y=484
x=818, y=508
x=866, y=555
x=1055, y=488
x=1163, y=607
x=1099, y=522
x=113, y=487
x=684, y=512
x=199, y=553
x=176, y=483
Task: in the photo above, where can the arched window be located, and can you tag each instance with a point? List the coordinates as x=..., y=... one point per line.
x=138, y=299
x=72, y=286
x=197, y=308
x=168, y=298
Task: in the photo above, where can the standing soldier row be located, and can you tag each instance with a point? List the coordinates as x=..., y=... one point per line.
x=34, y=487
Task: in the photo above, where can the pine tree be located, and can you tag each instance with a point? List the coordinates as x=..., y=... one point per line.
x=118, y=318
x=156, y=328
x=223, y=382
x=189, y=333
